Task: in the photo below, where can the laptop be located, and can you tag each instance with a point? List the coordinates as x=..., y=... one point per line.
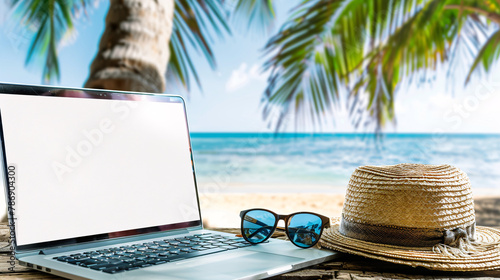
x=94, y=174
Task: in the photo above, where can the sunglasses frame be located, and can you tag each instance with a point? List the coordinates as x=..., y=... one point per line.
x=325, y=223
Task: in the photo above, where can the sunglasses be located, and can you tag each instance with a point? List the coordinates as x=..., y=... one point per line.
x=302, y=228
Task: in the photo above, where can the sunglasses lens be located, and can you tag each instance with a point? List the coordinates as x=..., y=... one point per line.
x=304, y=229
x=258, y=225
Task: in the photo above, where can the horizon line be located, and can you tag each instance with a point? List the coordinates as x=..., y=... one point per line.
x=348, y=133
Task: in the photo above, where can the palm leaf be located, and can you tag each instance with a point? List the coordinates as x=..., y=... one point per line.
x=368, y=48
x=300, y=65
x=192, y=35
x=52, y=20
x=253, y=14
x=487, y=55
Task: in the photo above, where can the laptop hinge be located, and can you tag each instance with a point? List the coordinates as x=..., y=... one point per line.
x=195, y=228
x=23, y=254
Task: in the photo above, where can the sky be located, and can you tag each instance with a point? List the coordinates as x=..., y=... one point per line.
x=231, y=96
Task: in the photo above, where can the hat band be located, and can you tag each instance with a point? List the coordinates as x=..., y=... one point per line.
x=400, y=236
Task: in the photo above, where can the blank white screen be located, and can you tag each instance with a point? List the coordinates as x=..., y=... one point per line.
x=93, y=166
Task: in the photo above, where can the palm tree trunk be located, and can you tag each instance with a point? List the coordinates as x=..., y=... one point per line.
x=134, y=48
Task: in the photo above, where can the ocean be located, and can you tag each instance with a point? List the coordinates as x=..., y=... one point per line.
x=313, y=161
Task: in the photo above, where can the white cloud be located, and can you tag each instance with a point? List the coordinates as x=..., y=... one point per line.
x=243, y=76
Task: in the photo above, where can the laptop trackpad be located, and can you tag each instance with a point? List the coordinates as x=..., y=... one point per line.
x=231, y=265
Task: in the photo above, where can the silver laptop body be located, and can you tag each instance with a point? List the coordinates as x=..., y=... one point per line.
x=88, y=170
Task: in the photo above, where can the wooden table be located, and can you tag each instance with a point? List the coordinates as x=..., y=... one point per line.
x=344, y=267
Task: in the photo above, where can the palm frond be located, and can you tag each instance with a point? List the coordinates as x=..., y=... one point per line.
x=419, y=44
x=52, y=20
x=300, y=82
x=372, y=48
x=487, y=55
x=484, y=52
x=335, y=36
x=195, y=23
x=253, y=14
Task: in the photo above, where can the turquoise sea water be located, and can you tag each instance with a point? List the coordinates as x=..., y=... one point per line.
x=329, y=159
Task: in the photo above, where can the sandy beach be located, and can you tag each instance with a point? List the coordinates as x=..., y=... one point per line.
x=221, y=210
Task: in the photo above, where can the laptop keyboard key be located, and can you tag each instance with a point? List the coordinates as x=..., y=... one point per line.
x=73, y=261
x=115, y=262
x=98, y=266
x=238, y=239
x=123, y=266
x=124, y=259
x=137, y=263
x=102, y=259
x=241, y=245
x=88, y=262
x=112, y=270
x=62, y=258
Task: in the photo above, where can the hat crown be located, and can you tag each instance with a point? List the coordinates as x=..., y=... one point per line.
x=410, y=196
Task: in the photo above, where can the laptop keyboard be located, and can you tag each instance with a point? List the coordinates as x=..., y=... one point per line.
x=130, y=257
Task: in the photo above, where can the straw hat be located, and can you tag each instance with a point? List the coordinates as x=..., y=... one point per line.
x=414, y=214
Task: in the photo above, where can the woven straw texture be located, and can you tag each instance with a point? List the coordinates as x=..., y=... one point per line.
x=385, y=195
x=414, y=198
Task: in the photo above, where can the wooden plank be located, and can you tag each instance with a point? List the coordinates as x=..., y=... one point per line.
x=4, y=238
x=33, y=275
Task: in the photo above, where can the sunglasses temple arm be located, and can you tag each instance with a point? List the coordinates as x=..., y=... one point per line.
x=254, y=221
x=258, y=231
x=278, y=228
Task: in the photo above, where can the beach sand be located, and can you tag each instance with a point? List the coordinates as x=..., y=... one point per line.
x=221, y=210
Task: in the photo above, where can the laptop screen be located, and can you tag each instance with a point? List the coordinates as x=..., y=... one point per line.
x=90, y=165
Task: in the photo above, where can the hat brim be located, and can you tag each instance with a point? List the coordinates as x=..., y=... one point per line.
x=484, y=256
